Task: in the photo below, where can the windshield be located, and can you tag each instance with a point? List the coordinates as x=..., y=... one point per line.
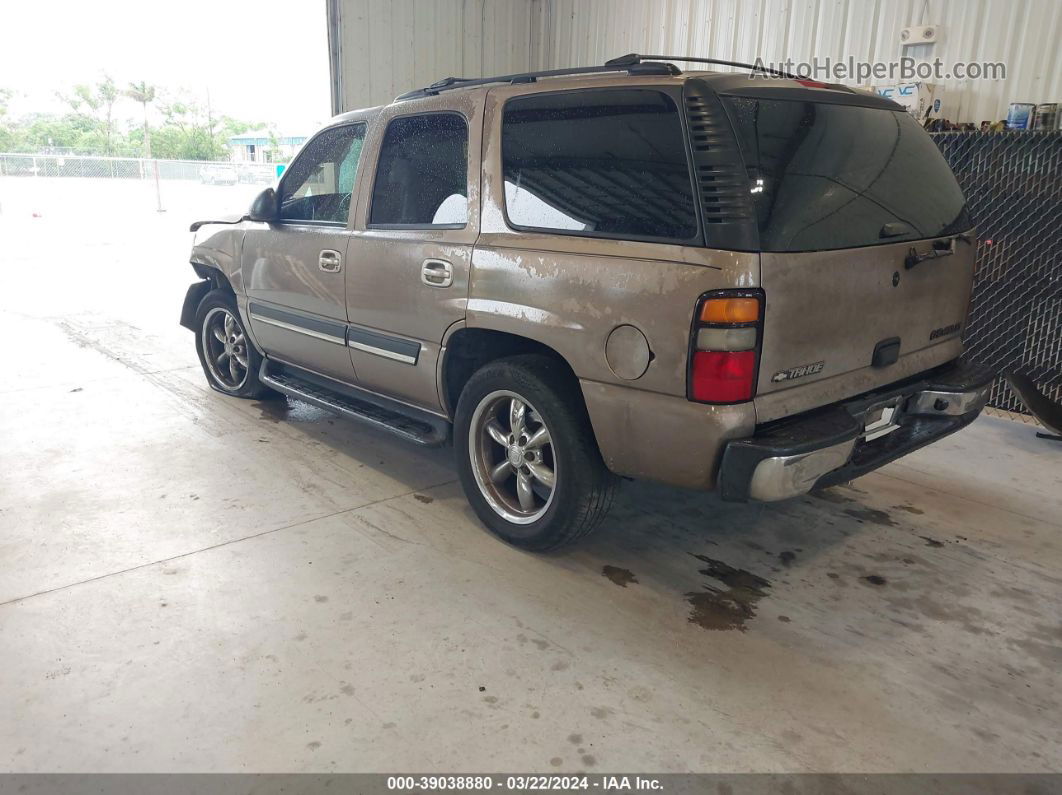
x=825, y=176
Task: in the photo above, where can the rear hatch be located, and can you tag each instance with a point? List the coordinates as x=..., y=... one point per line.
x=866, y=254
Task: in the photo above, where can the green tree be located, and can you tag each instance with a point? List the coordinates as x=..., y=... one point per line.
x=273, y=153
x=144, y=94
x=94, y=125
x=96, y=103
x=43, y=131
x=8, y=135
x=187, y=135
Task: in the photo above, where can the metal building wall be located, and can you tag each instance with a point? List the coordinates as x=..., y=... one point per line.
x=1025, y=34
x=384, y=47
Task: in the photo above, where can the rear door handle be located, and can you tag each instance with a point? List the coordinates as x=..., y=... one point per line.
x=330, y=261
x=437, y=273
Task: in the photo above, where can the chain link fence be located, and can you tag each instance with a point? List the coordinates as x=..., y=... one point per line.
x=208, y=172
x=1013, y=183
x=80, y=188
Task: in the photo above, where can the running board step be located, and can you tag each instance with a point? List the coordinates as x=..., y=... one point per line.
x=411, y=424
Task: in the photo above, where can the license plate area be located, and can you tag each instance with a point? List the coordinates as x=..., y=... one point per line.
x=881, y=418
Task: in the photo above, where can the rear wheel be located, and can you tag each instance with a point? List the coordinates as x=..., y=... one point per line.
x=526, y=454
x=229, y=361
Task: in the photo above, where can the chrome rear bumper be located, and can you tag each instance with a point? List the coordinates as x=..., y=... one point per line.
x=783, y=476
x=841, y=442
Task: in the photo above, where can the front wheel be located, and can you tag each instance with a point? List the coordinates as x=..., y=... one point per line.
x=229, y=360
x=526, y=454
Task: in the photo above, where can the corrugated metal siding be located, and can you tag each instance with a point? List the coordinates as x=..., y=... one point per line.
x=389, y=46
x=1025, y=34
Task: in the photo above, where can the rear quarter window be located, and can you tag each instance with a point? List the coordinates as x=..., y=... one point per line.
x=601, y=163
x=828, y=176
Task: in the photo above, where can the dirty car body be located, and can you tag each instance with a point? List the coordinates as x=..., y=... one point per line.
x=705, y=279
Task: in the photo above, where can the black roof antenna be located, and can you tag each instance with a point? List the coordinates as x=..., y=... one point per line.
x=634, y=58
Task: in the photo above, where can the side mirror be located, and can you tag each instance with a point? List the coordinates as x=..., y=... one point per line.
x=265, y=206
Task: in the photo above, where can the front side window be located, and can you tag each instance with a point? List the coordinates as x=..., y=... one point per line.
x=608, y=163
x=422, y=175
x=319, y=184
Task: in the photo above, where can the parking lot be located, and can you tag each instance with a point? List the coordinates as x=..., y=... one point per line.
x=192, y=582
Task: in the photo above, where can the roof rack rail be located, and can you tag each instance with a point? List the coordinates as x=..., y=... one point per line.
x=633, y=58
x=638, y=67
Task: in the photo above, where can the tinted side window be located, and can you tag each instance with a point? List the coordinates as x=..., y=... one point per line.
x=318, y=185
x=422, y=176
x=606, y=163
x=836, y=176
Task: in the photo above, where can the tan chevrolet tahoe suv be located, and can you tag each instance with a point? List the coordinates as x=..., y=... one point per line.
x=709, y=279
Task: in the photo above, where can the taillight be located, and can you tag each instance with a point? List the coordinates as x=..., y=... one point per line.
x=724, y=347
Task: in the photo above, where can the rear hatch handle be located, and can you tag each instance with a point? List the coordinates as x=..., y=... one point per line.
x=944, y=247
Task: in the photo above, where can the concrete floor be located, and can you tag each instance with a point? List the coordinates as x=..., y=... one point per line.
x=194, y=583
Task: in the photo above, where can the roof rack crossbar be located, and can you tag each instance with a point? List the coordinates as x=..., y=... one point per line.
x=640, y=67
x=633, y=58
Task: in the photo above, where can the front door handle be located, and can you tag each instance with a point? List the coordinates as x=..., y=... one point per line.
x=437, y=273
x=330, y=261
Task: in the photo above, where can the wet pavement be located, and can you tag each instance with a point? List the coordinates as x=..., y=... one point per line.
x=190, y=582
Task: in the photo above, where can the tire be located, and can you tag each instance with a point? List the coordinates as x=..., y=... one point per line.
x=230, y=364
x=509, y=486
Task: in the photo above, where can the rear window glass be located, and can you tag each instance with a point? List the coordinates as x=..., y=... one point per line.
x=828, y=176
x=602, y=163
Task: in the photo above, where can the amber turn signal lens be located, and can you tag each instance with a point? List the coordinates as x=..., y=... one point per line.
x=730, y=310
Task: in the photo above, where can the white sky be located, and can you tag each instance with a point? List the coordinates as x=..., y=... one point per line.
x=261, y=59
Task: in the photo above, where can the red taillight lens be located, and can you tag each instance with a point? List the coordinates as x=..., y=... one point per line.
x=722, y=376
x=724, y=346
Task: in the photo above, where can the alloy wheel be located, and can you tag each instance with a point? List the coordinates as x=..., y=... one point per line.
x=511, y=452
x=225, y=348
